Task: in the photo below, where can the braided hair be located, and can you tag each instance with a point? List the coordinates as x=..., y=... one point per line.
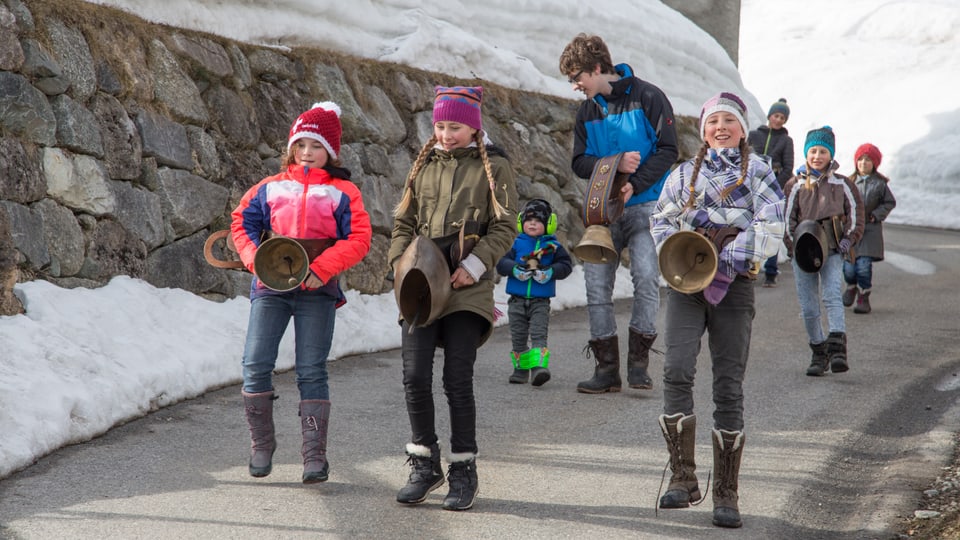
x=698, y=161
x=498, y=209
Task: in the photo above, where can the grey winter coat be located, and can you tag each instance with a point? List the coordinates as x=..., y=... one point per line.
x=878, y=201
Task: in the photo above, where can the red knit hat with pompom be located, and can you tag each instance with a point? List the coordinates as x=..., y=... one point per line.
x=321, y=123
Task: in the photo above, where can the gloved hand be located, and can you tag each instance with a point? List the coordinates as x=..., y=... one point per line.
x=717, y=289
x=844, y=245
x=543, y=276
x=521, y=273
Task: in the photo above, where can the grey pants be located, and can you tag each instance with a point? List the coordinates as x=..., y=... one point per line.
x=529, y=317
x=729, y=324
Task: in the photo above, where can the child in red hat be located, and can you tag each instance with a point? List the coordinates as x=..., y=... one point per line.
x=878, y=201
x=314, y=202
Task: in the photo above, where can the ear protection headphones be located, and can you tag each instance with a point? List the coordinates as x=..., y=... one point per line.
x=551, y=224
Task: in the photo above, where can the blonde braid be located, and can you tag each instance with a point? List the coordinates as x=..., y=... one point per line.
x=414, y=171
x=698, y=161
x=498, y=208
x=744, y=164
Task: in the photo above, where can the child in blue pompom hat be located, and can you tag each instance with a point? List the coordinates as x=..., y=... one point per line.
x=819, y=195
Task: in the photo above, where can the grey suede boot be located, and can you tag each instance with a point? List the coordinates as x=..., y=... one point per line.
x=263, y=443
x=638, y=360
x=606, y=375
x=426, y=474
x=680, y=431
x=727, y=451
x=314, y=421
x=863, y=302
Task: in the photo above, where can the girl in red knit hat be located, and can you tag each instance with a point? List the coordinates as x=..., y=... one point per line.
x=878, y=201
x=313, y=201
x=461, y=195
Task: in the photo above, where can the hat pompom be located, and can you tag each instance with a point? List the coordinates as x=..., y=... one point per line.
x=327, y=106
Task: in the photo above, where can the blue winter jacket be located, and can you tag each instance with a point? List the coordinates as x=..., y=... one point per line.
x=636, y=116
x=525, y=244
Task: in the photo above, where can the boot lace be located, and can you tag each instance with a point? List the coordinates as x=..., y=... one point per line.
x=673, y=463
x=421, y=468
x=312, y=447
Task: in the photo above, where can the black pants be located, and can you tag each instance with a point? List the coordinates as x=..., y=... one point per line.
x=459, y=334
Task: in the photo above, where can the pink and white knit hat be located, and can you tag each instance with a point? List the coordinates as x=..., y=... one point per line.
x=727, y=102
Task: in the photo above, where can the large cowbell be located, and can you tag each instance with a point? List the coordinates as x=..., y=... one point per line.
x=421, y=282
x=688, y=261
x=596, y=245
x=811, y=247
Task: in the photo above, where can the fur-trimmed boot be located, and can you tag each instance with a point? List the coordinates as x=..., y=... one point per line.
x=727, y=451
x=863, y=302
x=638, y=360
x=849, y=295
x=606, y=374
x=680, y=432
x=819, y=362
x=426, y=474
x=314, y=421
x=462, y=478
x=837, y=351
x=263, y=442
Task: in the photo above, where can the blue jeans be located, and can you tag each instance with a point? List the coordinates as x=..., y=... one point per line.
x=827, y=284
x=631, y=231
x=313, y=320
x=859, y=273
x=770, y=267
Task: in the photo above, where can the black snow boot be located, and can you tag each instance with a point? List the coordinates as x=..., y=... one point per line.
x=426, y=474
x=819, y=363
x=462, y=477
x=837, y=351
x=606, y=374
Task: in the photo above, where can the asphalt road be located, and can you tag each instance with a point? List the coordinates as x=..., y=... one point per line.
x=842, y=456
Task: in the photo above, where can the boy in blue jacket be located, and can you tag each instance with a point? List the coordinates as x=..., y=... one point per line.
x=532, y=266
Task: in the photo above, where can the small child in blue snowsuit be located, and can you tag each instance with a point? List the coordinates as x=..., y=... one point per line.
x=532, y=266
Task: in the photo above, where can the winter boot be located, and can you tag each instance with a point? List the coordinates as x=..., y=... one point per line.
x=819, y=363
x=540, y=360
x=426, y=474
x=259, y=412
x=314, y=419
x=837, y=351
x=638, y=360
x=606, y=375
x=462, y=477
x=863, y=302
x=849, y=295
x=520, y=375
x=680, y=433
x=727, y=451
